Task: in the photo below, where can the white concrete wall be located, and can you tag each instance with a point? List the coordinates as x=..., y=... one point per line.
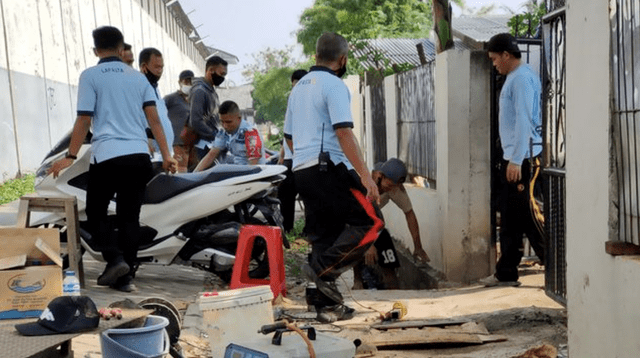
x=454, y=219
x=426, y=208
x=353, y=83
x=463, y=179
x=44, y=46
x=602, y=291
x=390, y=105
x=367, y=143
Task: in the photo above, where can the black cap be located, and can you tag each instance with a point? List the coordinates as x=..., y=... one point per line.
x=65, y=314
x=185, y=74
x=394, y=169
x=503, y=42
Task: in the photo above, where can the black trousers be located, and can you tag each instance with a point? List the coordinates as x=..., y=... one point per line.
x=516, y=220
x=287, y=194
x=125, y=177
x=341, y=223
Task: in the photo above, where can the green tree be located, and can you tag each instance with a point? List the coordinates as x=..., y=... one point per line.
x=364, y=19
x=271, y=91
x=358, y=20
x=526, y=25
x=269, y=59
x=270, y=94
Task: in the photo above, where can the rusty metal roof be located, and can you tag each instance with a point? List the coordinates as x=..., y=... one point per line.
x=475, y=31
x=399, y=51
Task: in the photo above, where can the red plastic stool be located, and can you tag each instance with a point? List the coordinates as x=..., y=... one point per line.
x=240, y=276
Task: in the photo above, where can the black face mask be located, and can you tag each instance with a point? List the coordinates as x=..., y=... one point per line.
x=216, y=79
x=342, y=71
x=153, y=79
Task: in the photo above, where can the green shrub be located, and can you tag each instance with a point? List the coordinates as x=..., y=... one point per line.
x=14, y=189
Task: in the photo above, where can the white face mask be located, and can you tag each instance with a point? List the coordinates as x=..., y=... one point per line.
x=185, y=89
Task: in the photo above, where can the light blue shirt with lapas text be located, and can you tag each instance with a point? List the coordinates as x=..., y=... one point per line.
x=520, y=114
x=114, y=95
x=234, y=145
x=319, y=103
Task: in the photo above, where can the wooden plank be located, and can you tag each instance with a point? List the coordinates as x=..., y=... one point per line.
x=414, y=336
x=429, y=335
x=419, y=323
x=23, y=214
x=471, y=327
x=617, y=248
x=74, y=247
x=490, y=338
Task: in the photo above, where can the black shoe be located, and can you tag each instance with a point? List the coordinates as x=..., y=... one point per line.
x=328, y=288
x=315, y=297
x=113, y=272
x=124, y=284
x=331, y=314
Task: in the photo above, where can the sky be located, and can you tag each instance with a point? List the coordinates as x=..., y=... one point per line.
x=246, y=27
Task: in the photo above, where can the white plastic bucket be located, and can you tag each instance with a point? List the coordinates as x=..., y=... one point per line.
x=235, y=315
x=148, y=341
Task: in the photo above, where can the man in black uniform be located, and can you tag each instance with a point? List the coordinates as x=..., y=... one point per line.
x=331, y=176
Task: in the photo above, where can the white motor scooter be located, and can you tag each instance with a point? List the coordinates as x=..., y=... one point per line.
x=190, y=218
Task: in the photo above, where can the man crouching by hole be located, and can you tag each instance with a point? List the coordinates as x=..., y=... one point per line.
x=240, y=142
x=390, y=177
x=331, y=176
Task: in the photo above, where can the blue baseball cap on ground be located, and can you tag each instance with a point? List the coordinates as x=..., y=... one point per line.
x=65, y=314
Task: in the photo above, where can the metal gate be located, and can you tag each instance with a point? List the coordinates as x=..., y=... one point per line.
x=554, y=137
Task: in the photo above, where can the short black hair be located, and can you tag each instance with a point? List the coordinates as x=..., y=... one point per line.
x=228, y=107
x=127, y=47
x=145, y=55
x=504, y=42
x=330, y=46
x=215, y=61
x=298, y=74
x=107, y=38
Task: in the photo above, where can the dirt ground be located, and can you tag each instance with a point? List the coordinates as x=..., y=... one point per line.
x=524, y=315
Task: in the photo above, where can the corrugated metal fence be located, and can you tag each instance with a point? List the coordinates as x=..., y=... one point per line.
x=417, y=120
x=378, y=121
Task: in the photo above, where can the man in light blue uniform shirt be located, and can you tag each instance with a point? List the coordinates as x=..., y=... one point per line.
x=151, y=65
x=520, y=125
x=113, y=101
x=331, y=176
x=239, y=140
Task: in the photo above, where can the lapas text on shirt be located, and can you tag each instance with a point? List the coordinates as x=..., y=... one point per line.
x=112, y=69
x=311, y=81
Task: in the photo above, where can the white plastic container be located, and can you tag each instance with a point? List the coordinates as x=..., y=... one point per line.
x=235, y=315
x=70, y=284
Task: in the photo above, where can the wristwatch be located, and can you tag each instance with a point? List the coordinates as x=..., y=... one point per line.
x=70, y=156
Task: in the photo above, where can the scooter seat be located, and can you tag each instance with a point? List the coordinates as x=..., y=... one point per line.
x=164, y=186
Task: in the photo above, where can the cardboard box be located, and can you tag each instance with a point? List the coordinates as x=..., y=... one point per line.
x=26, y=290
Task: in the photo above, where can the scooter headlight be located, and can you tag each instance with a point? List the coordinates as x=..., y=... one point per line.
x=41, y=174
